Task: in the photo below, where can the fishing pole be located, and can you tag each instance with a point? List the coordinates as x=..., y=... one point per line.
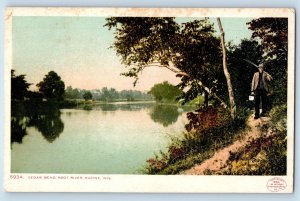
x=250, y=62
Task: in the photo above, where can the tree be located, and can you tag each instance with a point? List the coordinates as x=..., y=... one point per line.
x=113, y=93
x=52, y=87
x=273, y=33
x=198, y=53
x=106, y=96
x=131, y=95
x=87, y=96
x=189, y=50
x=165, y=91
x=19, y=86
x=71, y=93
x=226, y=73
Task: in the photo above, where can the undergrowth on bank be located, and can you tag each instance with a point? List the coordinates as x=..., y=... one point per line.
x=266, y=155
x=209, y=129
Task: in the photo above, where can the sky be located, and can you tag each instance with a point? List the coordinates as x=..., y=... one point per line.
x=77, y=48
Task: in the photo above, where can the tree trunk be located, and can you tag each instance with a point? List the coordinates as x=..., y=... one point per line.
x=226, y=73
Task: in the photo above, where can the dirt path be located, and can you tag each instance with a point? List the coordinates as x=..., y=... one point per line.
x=219, y=160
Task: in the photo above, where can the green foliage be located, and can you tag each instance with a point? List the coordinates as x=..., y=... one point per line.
x=87, y=107
x=142, y=40
x=87, y=96
x=19, y=86
x=198, y=54
x=278, y=116
x=165, y=92
x=107, y=94
x=273, y=33
x=71, y=93
x=131, y=95
x=52, y=87
x=199, y=100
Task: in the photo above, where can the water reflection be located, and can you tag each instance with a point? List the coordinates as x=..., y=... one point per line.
x=100, y=140
x=44, y=117
x=164, y=114
x=50, y=125
x=18, y=129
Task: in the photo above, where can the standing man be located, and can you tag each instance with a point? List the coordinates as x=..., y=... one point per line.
x=259, y=88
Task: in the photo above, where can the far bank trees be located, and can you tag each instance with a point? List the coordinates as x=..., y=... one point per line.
x=87, y=96
x=52, y=87
x=165, y=92
x=19, y=86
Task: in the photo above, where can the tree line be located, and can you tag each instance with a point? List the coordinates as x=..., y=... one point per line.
x=106, y=94
x=52, y=87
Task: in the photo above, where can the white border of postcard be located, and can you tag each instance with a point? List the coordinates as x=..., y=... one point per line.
x=147, y=183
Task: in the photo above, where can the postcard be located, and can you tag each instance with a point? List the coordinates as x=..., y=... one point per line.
x=181, y=100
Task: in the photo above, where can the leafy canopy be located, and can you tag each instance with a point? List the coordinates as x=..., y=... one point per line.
x=87, y=96
x=52, y=87
x=190, y=50
x=19, y=86
x=165, y=92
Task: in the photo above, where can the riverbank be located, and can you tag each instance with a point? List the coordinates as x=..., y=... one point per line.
x=241, y=147
x=209, y=129
x=70, y=103
x=89, y=104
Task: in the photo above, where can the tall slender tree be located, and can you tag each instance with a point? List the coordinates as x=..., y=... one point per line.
x=226, y=73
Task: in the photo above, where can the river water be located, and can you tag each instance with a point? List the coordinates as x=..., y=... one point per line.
x=113, y=138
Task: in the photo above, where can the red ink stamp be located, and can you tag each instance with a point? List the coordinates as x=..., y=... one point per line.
x=276, y=184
